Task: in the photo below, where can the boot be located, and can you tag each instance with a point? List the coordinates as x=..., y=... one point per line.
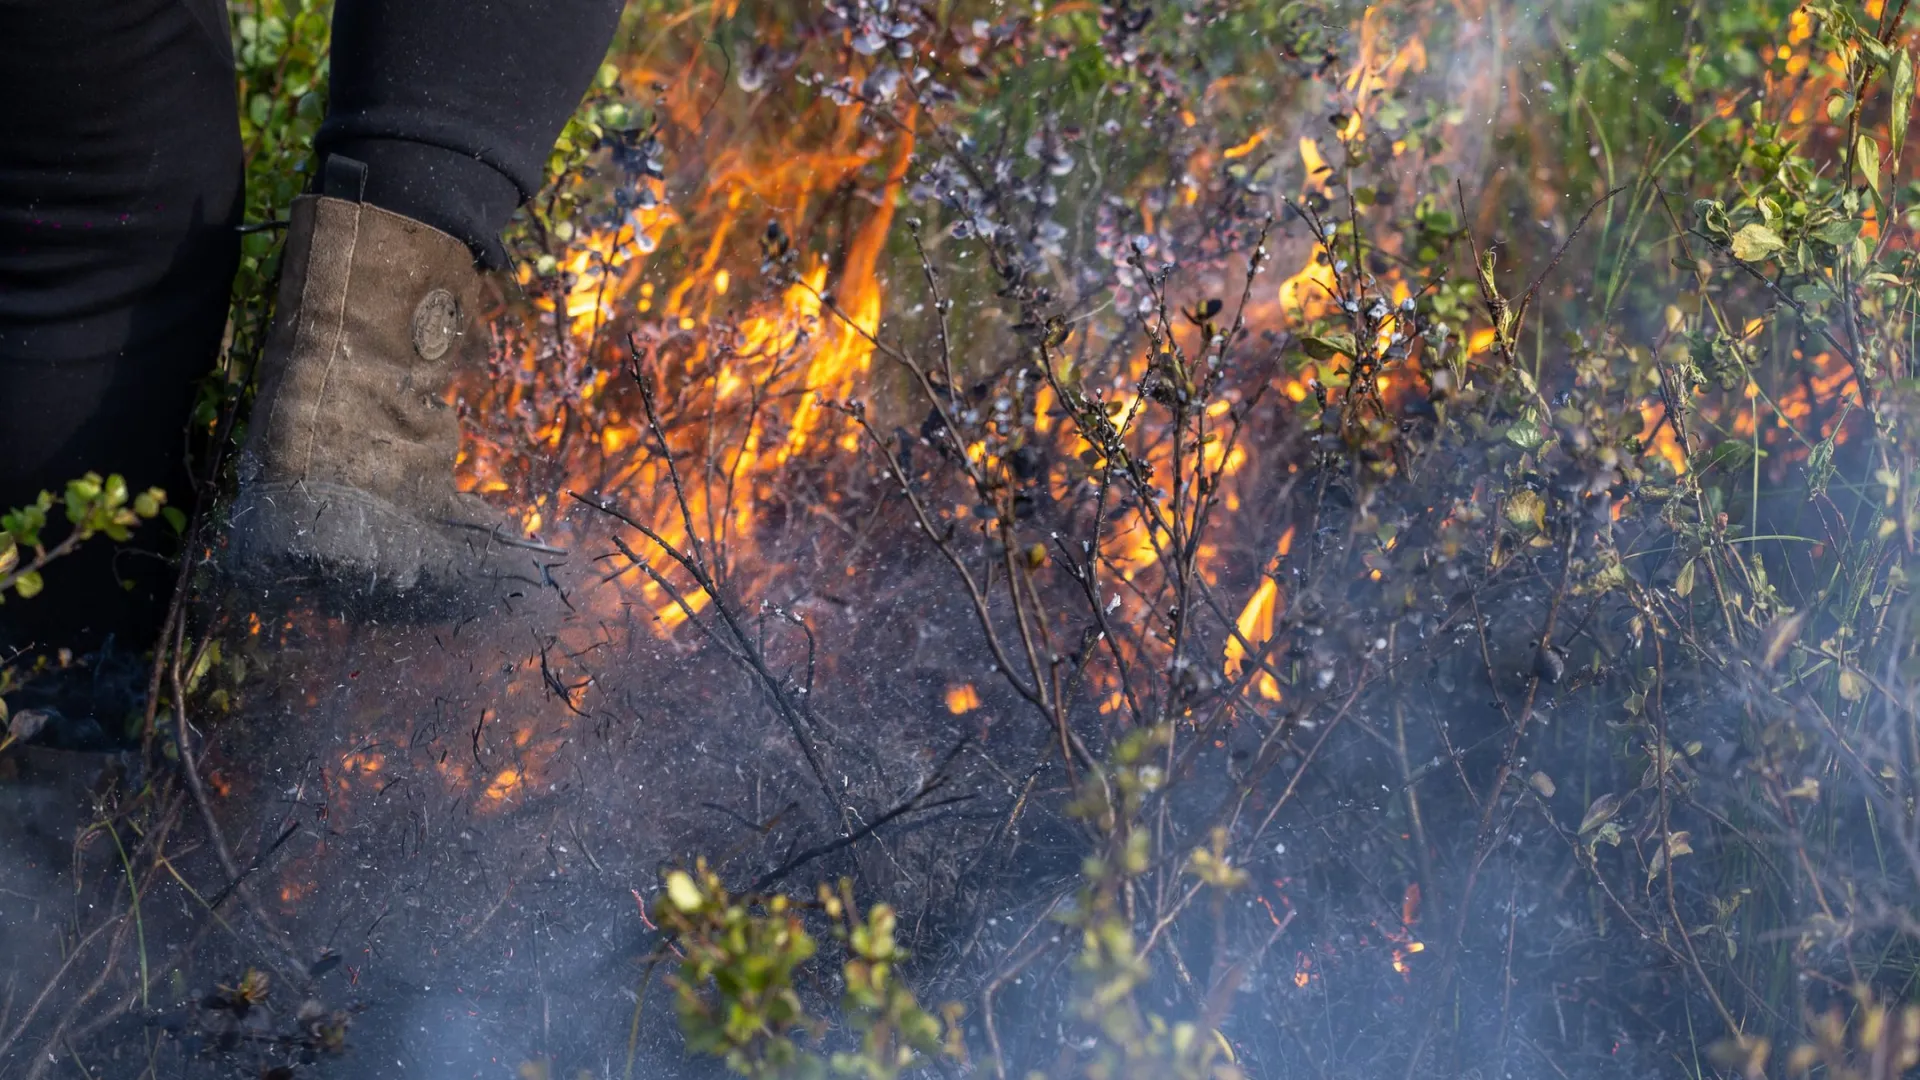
x=346, y=477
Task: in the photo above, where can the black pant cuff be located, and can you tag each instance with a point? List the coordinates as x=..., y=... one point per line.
x=461, y=196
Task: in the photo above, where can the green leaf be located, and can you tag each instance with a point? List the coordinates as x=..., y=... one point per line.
x=1328, y=346
x=1902, y=101
x=1683, y=584
x=1728, y=453
x=1755, y=242
x=1713, y=218
x=29, y=584
x=1838, y=233
x=1525, y=434
x=86, y=488
x=1866, y=154
x=25, y=523
x=1600, y=812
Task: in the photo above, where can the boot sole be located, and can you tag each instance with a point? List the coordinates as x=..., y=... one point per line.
x=352, y=553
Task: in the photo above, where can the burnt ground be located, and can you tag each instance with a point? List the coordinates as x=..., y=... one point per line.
x=455, y=828
x=448, y=835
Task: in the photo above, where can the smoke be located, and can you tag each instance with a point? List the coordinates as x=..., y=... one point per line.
x=47, y=800
x=39, y=807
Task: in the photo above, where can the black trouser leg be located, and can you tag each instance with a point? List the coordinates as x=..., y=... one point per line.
x=454, y=105
x=120, y=185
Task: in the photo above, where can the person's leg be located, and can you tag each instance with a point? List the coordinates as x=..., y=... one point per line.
x=454, y=105
x=120, y=186
x=443, y=114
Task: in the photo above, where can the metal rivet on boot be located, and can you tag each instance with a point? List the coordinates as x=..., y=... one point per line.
x=435, y=322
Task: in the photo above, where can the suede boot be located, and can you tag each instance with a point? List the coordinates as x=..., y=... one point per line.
x=346, y=477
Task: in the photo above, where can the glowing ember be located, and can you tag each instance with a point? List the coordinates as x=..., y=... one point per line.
x=962, y=699
x=505, y=783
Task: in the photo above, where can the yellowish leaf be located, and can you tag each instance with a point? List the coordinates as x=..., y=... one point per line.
x=1663, y=855
x=1527, y=509
x=1852, y=686
x=681, y=890
x=1781, y=635
x=1755, y=242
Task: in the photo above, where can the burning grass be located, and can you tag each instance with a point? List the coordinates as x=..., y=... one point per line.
x=1261, y=540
